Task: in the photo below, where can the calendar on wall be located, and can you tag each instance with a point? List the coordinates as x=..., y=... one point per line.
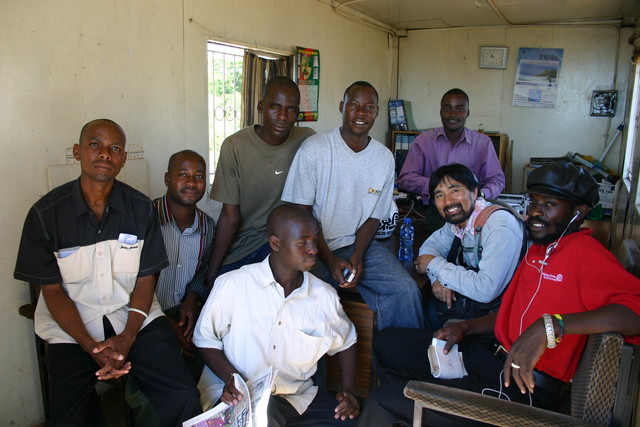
x=308, y=76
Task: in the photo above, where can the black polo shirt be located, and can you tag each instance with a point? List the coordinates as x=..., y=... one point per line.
x=97, y=263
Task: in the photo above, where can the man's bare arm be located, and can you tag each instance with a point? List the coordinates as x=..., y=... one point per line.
x=217, y=361
x=453, y=333
x=364, y=236
x=228, y=224
x=348, y=406
x=65, y=313
x=529, y=347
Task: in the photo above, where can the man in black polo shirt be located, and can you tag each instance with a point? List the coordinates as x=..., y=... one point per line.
x=94, y=246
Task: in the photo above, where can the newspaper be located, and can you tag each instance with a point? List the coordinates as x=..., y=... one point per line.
x=446, y=366
x=251, y=411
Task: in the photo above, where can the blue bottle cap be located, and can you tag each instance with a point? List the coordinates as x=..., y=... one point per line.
x=407, y=220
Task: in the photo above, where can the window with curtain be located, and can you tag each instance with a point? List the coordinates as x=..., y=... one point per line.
x=237, y=77
x=259, y=69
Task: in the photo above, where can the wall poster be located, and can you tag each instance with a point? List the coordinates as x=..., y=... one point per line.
x=537, y=77
x=308, y=74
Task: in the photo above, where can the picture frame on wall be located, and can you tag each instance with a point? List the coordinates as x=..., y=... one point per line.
x=603, y=103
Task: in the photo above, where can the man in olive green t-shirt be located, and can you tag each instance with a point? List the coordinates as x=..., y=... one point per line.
x=251, y=172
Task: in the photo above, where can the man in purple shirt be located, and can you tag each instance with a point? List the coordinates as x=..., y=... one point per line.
x=452, y=143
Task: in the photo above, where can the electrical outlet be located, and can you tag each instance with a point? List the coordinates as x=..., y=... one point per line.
x=135, y=148
x=68, y=152
x=132, y=156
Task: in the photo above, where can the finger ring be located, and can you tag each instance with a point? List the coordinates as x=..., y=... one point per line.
x=513, y=365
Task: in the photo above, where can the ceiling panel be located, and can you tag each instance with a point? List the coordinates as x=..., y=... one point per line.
x=420, y=14
x=527, y=11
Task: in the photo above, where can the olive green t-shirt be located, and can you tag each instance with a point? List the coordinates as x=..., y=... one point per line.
x=252, y=173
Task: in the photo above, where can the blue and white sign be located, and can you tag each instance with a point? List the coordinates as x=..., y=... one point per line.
x=537, y=77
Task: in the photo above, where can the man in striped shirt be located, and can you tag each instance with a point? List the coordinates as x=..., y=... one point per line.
x=188, y=237
x=181, y=289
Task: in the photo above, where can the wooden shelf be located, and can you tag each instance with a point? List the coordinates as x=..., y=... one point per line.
x=401, y=137
x=500, y=142
x=401, y=140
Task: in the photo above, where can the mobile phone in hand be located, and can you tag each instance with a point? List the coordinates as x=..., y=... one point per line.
x=348, y=274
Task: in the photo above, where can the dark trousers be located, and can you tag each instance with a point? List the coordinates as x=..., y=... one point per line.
x=320, y=413
x=144, y=412
x=401, y=355
x=155, y=364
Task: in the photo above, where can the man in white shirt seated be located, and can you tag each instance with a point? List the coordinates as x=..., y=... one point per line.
x=274, y=313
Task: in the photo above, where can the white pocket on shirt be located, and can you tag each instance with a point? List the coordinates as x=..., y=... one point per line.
x=304, y=350
x=126, y=257
x=74, y=264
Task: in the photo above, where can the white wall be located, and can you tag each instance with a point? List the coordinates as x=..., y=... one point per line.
x=431, y=62
x=143, y=64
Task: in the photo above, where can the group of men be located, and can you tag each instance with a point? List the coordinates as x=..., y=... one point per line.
x=566, y=287
x=257, y=289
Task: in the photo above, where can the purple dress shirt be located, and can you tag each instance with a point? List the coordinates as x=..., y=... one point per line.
x=432, y=149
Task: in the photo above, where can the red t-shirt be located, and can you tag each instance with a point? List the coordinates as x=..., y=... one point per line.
x=580, y=275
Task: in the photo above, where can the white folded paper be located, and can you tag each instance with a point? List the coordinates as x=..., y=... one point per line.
x=446, y=366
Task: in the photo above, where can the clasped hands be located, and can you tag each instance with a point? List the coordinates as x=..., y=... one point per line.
x=110, y=355
x=348, y=406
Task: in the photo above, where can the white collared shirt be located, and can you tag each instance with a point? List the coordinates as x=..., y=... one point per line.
x=248, y=316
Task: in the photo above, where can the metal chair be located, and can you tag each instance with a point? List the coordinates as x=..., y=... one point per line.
x=604, y=392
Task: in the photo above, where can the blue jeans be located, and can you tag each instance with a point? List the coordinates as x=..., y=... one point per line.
x=385, y=286
x=256, y=256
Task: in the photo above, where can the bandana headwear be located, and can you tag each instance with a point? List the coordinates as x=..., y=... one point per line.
x=480, y=204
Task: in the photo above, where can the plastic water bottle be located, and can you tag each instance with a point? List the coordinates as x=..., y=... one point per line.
x=405, y=253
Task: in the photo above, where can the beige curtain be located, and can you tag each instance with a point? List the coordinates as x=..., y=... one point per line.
x=256, y=72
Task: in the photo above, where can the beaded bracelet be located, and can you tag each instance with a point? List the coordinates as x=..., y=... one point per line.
x=561, y=323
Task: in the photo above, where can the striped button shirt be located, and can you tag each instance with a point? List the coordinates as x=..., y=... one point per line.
x=188, y=253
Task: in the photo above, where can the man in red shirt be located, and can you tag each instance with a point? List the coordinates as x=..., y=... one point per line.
x=567, y=287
